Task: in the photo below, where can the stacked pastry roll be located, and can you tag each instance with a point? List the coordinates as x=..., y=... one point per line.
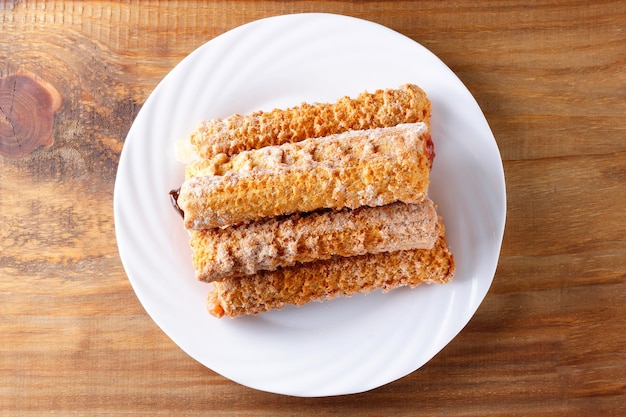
x=313, y=202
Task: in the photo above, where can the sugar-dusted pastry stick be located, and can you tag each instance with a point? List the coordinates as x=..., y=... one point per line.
x=364, y=167
x=383, y=108
x=324, y=280
x=279, y=242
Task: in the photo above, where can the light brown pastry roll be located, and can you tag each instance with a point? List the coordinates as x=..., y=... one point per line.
x=383, y=108
x=278, y=242
x=324, y=280
x=348, y=170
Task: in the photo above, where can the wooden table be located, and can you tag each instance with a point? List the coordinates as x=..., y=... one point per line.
x=550, y=337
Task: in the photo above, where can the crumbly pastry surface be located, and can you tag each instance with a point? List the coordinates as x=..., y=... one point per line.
x=313, y=202
x=382, y=108
x=328, y=279
x=370, y=167
x=279, y=242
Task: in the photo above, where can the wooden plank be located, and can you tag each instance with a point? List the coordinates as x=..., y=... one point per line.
x=549, y=338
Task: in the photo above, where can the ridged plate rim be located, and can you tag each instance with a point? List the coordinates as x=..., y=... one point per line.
x=348, y=345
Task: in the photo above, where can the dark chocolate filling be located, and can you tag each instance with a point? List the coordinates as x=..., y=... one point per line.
x=174, y=200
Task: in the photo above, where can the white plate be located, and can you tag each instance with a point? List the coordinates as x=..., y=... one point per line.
x=347, y=345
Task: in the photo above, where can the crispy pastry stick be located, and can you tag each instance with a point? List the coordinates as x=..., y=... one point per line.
x=324, y=280
x=383, y=108
x=364, y=167
x=279, y=242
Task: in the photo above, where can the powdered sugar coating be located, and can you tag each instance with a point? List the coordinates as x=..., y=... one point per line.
x=382, y=108
x=367, y=167
x=278, y=242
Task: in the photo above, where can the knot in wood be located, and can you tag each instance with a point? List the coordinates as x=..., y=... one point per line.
x=27, y=108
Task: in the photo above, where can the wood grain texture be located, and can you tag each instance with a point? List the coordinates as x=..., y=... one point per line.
x=548, y=340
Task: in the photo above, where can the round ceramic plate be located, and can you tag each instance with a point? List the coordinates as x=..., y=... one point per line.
x=347, y=345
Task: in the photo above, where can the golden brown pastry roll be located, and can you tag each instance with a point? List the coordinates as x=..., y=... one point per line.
x=327, y=279
x=279, y=242
x=383, y=108
x=357, y=168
